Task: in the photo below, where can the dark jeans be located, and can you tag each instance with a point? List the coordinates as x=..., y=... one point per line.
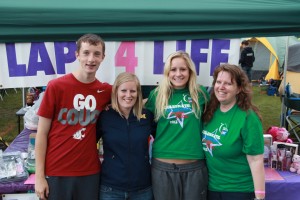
x=212, y=195
x=248, y=71
x=108, y=193
x=73, y=187
x=179, y=181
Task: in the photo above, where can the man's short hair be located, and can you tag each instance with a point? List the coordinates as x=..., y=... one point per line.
x=92, y=39
x=245, y=42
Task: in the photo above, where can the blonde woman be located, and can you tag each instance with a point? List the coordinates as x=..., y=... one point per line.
x=125, y=129
x=178, y=167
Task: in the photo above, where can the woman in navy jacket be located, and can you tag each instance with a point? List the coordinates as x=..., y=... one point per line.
x=125, y=129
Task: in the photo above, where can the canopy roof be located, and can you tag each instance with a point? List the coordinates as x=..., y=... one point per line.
x=144, y=20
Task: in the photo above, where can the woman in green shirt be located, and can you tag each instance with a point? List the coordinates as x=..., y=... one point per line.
x=178, y=167
x=233, y=138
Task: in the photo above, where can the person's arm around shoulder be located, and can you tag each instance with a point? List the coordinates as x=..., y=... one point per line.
x=99, y=124
x=258, y=174
x=41, y=185
x=150, y=116
x=205, y=95
x=149, y=103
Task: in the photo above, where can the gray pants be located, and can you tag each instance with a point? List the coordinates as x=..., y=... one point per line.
x=179, y=181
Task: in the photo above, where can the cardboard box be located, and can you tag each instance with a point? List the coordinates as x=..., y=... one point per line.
x=290, y=147
x=284, y=155
x=21, y=196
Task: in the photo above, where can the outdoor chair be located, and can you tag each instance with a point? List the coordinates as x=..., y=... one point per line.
x=293, y=115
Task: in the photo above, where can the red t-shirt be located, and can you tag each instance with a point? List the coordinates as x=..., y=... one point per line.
x=74, y=108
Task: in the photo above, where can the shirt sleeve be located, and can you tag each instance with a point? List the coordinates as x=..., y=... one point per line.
x=203, y=99
x=47, y=107
x=252, y=135
x=150, y=104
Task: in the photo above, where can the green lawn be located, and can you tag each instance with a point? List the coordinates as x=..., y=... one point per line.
x=12, y=102
x=270, y=108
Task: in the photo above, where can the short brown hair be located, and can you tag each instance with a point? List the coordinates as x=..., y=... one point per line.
x=92, y=39
x=245, y=42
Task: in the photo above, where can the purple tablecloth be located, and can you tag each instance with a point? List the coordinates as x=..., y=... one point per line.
x=287, y=189
x=20, y=143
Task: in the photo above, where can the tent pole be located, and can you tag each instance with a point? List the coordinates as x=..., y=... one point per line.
x=23, y=97
x=283, y=108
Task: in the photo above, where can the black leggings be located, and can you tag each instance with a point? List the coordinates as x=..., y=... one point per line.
x=212, y=195
x=73, y=187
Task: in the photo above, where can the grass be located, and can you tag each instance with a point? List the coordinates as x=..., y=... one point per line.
x=270, y=108
x=12, y=102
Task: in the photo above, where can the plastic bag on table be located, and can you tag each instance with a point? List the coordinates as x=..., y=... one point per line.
x=31, y=118
x=12, y=167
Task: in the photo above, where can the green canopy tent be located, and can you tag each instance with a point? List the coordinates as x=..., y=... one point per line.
x=142, y=20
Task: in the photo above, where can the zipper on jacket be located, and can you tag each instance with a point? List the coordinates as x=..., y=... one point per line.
x=129, y=148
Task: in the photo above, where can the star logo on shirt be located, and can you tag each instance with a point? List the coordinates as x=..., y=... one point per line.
x=179, y=112
x=210, y=141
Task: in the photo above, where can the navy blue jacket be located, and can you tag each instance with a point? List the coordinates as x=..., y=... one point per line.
x=126, y=156
x=247, y=57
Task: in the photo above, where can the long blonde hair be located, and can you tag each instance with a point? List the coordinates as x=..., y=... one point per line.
x=165, y=88
x=123, y=78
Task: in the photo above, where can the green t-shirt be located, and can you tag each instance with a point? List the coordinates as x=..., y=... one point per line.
x=178, y=133
x=227, y=139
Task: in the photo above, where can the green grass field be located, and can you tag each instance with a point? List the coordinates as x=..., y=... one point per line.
x=270, y=108
x=12, y=102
